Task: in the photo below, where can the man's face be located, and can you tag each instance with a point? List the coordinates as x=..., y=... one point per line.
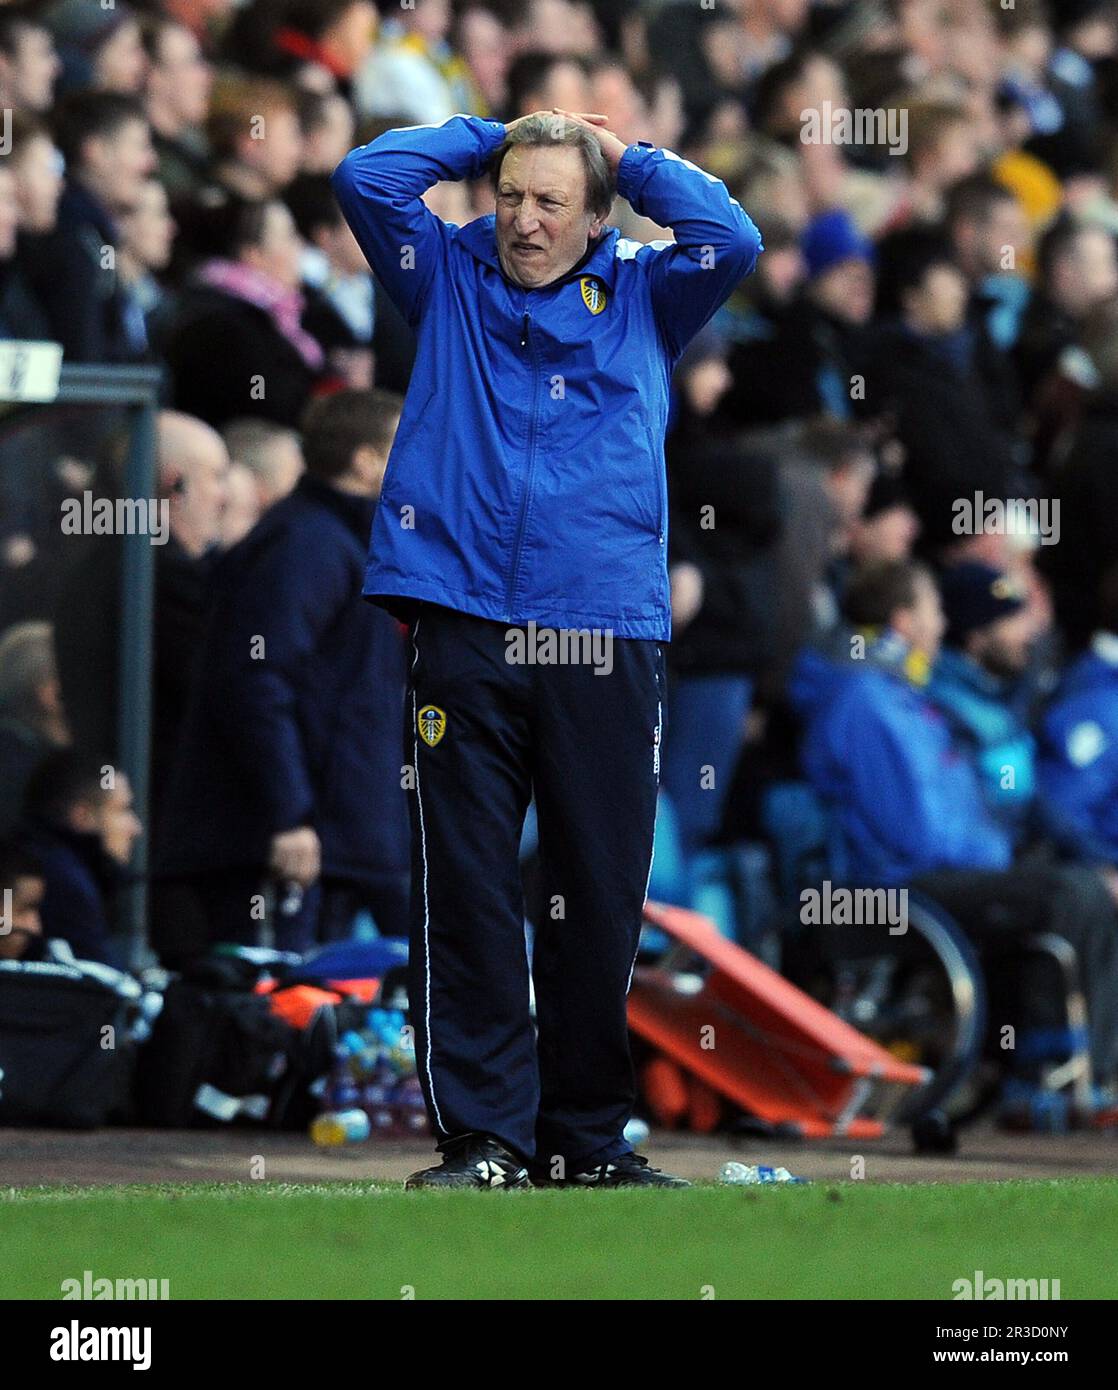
x=1003, y=648
x=111, y=818
x=846, y=290
x=922, y=626
x=38, y=185
x=120, y=163
x=278, y=155
x=149, y=229
x=939, y=305
x=9, y=214
x=33, y=70
x=542, y=221
x=182, y=77
x=122, y=64
x=23, y=921
x=1088, y=274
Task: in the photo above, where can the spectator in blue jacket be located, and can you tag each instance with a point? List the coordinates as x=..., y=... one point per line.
x=290, y=782
x=910, y=811
x=78, y=822
x=978, y=683
x=1078, y=767
x=523, y=535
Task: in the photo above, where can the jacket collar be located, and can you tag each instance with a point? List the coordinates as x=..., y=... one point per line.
x=480, y=239
x=354, y=511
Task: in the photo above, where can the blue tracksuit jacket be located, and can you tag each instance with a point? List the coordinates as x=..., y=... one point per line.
x=906, y=800
x=527, y=478
x=1079, y=757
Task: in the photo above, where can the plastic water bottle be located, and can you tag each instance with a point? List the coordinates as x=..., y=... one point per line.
x=750, y=1175
x=337, y=1127
x=636, y=1132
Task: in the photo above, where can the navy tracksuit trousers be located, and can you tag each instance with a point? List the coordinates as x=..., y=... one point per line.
x=485, y=735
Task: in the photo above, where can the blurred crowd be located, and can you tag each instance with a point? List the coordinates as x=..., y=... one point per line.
x=889, y=461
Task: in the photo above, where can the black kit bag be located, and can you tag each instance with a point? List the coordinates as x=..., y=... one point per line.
x=218, y=1054
x=58, y=1064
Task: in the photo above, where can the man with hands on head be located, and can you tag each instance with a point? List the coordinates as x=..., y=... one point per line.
x=524, y=506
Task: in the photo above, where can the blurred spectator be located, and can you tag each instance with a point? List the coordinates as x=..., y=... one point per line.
x=991, y=239
x=255, y=138
x=247, y=299
x=29, y=65
x=316, y=44
x=932, y=376
x=538, y=81
x=32, y=718
x=978, y=683
x=242, y=506
x=106, y=143
x=291, y=751
x=413, y=71
x=21, y=875
x=805, y=363
x=177, y=98
x=147, y=233
x=37, y=167
x=100, y=46
x=888, y=527
x=337, y=283
x=79, y=824
x=271, y=453
x=483, y=41
x=724, y=522
x=192, y=463
x=1077, y=270
x=1078, y=767
x=327, y=123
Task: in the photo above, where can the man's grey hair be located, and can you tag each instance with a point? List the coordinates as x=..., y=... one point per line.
x=601, y=187
x=26, y=664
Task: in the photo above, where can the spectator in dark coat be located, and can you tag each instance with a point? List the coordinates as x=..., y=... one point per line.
x=926, y=374
x=193, y=463
x=79, y=824
x=806, y=367
x=291, y=771
x=107, y=147
x=248, y=300
x=32, y=720
x=724, y=523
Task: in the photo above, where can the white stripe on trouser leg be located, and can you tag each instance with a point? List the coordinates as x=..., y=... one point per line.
x=426, y=902
x=652, y=847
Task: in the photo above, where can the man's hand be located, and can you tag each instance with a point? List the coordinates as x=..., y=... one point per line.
x=296, y=856
x=612, y=147
x=687, y=594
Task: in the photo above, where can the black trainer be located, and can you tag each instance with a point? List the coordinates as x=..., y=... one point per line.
x=475, y=1160
x=628, y=1170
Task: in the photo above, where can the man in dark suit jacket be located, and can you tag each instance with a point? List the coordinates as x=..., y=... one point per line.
x=290, y=771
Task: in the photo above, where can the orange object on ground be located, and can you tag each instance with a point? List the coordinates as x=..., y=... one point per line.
x=760, y=1042
x=298, y=1004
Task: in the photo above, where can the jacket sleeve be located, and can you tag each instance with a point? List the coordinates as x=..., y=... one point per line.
x=379, y=188
x=1071, y=798
x=716, y=244
x=927, y=809
x=260, y=653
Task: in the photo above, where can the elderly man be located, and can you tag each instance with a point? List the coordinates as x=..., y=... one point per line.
x=522, y=536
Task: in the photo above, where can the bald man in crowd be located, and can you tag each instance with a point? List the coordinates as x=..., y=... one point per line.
x=193, y=465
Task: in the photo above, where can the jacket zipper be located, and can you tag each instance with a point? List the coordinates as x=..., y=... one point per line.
x=525, y=342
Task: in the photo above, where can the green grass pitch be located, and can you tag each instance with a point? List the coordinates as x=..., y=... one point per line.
x=350, y=1240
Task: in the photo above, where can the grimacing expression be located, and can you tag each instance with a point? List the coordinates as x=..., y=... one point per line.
x=543, y=223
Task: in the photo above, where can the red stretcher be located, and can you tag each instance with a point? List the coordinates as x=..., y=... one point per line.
x=757, y=1040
